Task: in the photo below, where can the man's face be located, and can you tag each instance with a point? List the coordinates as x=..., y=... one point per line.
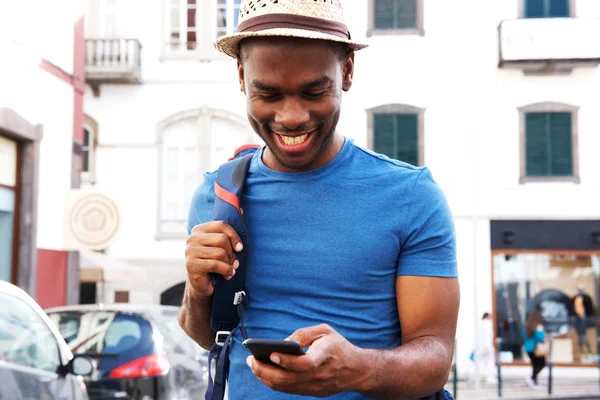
x=293, y=89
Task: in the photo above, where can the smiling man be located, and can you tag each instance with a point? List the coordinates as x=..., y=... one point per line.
x=351, y=254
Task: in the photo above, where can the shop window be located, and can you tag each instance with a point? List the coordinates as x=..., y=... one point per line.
x=563, y=287
x=395, y=17
x=396, y=130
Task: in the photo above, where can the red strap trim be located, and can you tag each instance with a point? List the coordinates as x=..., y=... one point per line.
x=227, y=196
x=242, y=148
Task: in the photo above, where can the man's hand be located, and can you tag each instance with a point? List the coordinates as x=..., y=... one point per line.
x=330, y=365
x=210, y=249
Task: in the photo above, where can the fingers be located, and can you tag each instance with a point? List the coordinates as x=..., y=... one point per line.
x=211, y=248
x=224, y=228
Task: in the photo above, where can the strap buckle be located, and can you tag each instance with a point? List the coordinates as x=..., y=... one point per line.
x=221, y=337
x=239, y=297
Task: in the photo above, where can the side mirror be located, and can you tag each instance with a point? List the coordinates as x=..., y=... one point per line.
x=81, y=365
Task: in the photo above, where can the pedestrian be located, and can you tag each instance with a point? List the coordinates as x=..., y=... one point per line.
x=487, y=353
x=536, y=346
x=345, y=246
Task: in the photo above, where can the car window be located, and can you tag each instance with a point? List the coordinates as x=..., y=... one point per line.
x=122, y=335
x=25, y=339
x=105, y=332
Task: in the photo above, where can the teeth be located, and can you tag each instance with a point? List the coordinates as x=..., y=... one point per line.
x=292, y=141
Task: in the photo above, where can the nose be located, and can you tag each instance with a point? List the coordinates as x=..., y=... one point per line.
x=292, y=113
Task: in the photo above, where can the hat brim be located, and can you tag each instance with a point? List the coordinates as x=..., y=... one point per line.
x=230, y=44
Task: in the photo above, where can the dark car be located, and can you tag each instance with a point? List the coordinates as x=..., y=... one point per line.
x=35, y=361
x=141, y=351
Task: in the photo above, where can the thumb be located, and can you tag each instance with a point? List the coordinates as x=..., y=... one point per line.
x=306, y=336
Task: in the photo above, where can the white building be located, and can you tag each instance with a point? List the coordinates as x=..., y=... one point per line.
x=41, y=116
x=501, y=106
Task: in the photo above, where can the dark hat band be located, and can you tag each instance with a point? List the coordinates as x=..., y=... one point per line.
x=278, y=21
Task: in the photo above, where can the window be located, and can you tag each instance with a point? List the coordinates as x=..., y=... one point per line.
x=548, y=8
x=88, y=150
x=228, y=12
x=193, y=25
x=182, y=32
x=396, y=130
x=549, y=143
x=191, y=143
x=393, y=17
x=25, y=339
x=563, y=287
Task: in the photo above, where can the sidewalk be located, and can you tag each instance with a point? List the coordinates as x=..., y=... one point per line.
x=568, y=383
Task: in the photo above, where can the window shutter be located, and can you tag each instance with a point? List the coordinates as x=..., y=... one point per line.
x=397, y=136
x=561, y=153
x=395, y=14
x=559, y=8
x=407, y=138
x=384, y=14
x=536, y=145
x=384, y=134
x=535, y=9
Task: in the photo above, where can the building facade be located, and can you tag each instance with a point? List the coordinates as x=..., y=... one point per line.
x=41, y=114
x=498, y=98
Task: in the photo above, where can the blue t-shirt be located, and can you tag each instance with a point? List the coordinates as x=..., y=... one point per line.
x=326, y=245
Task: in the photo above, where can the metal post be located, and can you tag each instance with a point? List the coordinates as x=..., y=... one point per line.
x=454, y=375
x=598, y=356
x=550, y=368
x=498, y=366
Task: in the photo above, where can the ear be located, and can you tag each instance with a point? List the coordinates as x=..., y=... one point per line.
x=240, y=68
x=348, y=72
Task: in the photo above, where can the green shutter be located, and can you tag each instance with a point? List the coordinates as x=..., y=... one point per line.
x=407, y=134
x=397, y=136
x=395, y=14
x=561, y=153
x=548, y=144
x=384, y=135
x=546, y=8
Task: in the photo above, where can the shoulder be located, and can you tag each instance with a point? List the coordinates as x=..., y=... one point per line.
x=202, y=201
x=381, y=162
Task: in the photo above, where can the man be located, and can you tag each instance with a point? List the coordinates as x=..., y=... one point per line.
x=345, y=246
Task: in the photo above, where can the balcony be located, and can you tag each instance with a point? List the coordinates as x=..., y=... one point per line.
x=549, y=45
x=112, y=60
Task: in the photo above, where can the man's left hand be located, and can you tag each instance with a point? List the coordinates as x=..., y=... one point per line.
x=331, y=365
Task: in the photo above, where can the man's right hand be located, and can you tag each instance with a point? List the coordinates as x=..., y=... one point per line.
x=210, y=248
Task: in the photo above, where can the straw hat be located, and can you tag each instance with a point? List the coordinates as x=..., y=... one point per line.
x=310, y=19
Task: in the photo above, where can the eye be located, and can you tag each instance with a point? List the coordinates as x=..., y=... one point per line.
x=315, y=95
x=268, y=96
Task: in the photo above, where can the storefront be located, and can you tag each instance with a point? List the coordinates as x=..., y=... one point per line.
x=552, y=267
x=19, y=153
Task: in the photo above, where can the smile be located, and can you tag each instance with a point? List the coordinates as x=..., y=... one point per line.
x=293, y=140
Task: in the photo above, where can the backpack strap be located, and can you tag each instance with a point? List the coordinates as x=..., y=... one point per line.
x=229, y=297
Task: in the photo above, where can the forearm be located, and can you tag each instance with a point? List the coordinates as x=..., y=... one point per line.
x=194, y=318
x=414, y=370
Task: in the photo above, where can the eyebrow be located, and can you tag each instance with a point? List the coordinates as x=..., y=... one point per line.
x=310, y=85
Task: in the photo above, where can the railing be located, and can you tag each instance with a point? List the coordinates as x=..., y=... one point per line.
x=113, y=54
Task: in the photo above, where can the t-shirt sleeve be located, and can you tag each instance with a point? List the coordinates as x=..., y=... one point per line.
x=202, y=202
x=429, y=245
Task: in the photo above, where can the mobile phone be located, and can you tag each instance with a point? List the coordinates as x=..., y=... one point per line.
x=261, y=349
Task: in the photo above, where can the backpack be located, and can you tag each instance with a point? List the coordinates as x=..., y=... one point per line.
x=230, y=297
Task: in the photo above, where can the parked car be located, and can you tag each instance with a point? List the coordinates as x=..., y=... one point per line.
x=35, y=361
x=141, y=351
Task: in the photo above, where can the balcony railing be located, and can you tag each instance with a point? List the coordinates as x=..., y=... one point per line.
x=538, y=44
x=112, y=60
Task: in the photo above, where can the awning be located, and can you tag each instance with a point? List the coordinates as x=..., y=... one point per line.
x=99, y=267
